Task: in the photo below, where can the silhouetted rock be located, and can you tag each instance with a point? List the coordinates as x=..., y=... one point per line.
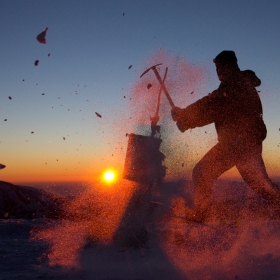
x=23, y=202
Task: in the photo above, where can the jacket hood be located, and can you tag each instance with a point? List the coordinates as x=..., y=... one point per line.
x=251, y=78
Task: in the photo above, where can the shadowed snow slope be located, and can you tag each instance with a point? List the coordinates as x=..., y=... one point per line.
x=27, y=202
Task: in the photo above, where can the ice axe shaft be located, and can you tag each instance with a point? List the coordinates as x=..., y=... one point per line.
x=159, y=94
x=163, y=87
x=161, y=83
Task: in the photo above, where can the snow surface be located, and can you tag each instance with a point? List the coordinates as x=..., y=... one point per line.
x=244, y=243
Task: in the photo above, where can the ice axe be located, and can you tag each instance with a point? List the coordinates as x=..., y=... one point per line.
x=159, y=94
x=154, y=68
x=154, y=120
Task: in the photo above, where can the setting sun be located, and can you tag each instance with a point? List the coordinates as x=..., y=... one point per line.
x=109, y=176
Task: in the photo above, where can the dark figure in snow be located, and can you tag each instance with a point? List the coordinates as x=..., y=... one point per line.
x=236, y=110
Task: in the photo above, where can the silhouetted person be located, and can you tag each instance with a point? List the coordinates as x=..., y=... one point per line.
x=236, y=110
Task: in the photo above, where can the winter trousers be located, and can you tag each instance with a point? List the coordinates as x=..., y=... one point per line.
x=247, y=157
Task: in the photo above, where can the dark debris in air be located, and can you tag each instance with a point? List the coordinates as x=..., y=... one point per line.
x=2, y=166
x=41, y=38
x=98, y=115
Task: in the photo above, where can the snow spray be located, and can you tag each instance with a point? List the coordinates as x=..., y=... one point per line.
x=90, y=218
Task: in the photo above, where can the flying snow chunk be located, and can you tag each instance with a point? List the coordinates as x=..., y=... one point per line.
x=41, y=38
x=2, y=166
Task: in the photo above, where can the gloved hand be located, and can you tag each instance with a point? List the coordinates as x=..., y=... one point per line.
x=175, y=113
x=182, y=126
x=181, y=122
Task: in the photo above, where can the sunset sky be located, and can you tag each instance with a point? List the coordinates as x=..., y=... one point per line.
x=49, y=129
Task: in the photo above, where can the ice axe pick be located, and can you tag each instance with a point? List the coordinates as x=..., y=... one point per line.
x=154, y=68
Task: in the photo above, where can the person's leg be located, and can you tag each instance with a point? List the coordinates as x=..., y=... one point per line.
x=219, y=159
x=253, y=171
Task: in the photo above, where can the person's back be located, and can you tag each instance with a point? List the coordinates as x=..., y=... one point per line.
x=238, y=110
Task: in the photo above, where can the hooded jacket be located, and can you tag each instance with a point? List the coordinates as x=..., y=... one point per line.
x=235, y=108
